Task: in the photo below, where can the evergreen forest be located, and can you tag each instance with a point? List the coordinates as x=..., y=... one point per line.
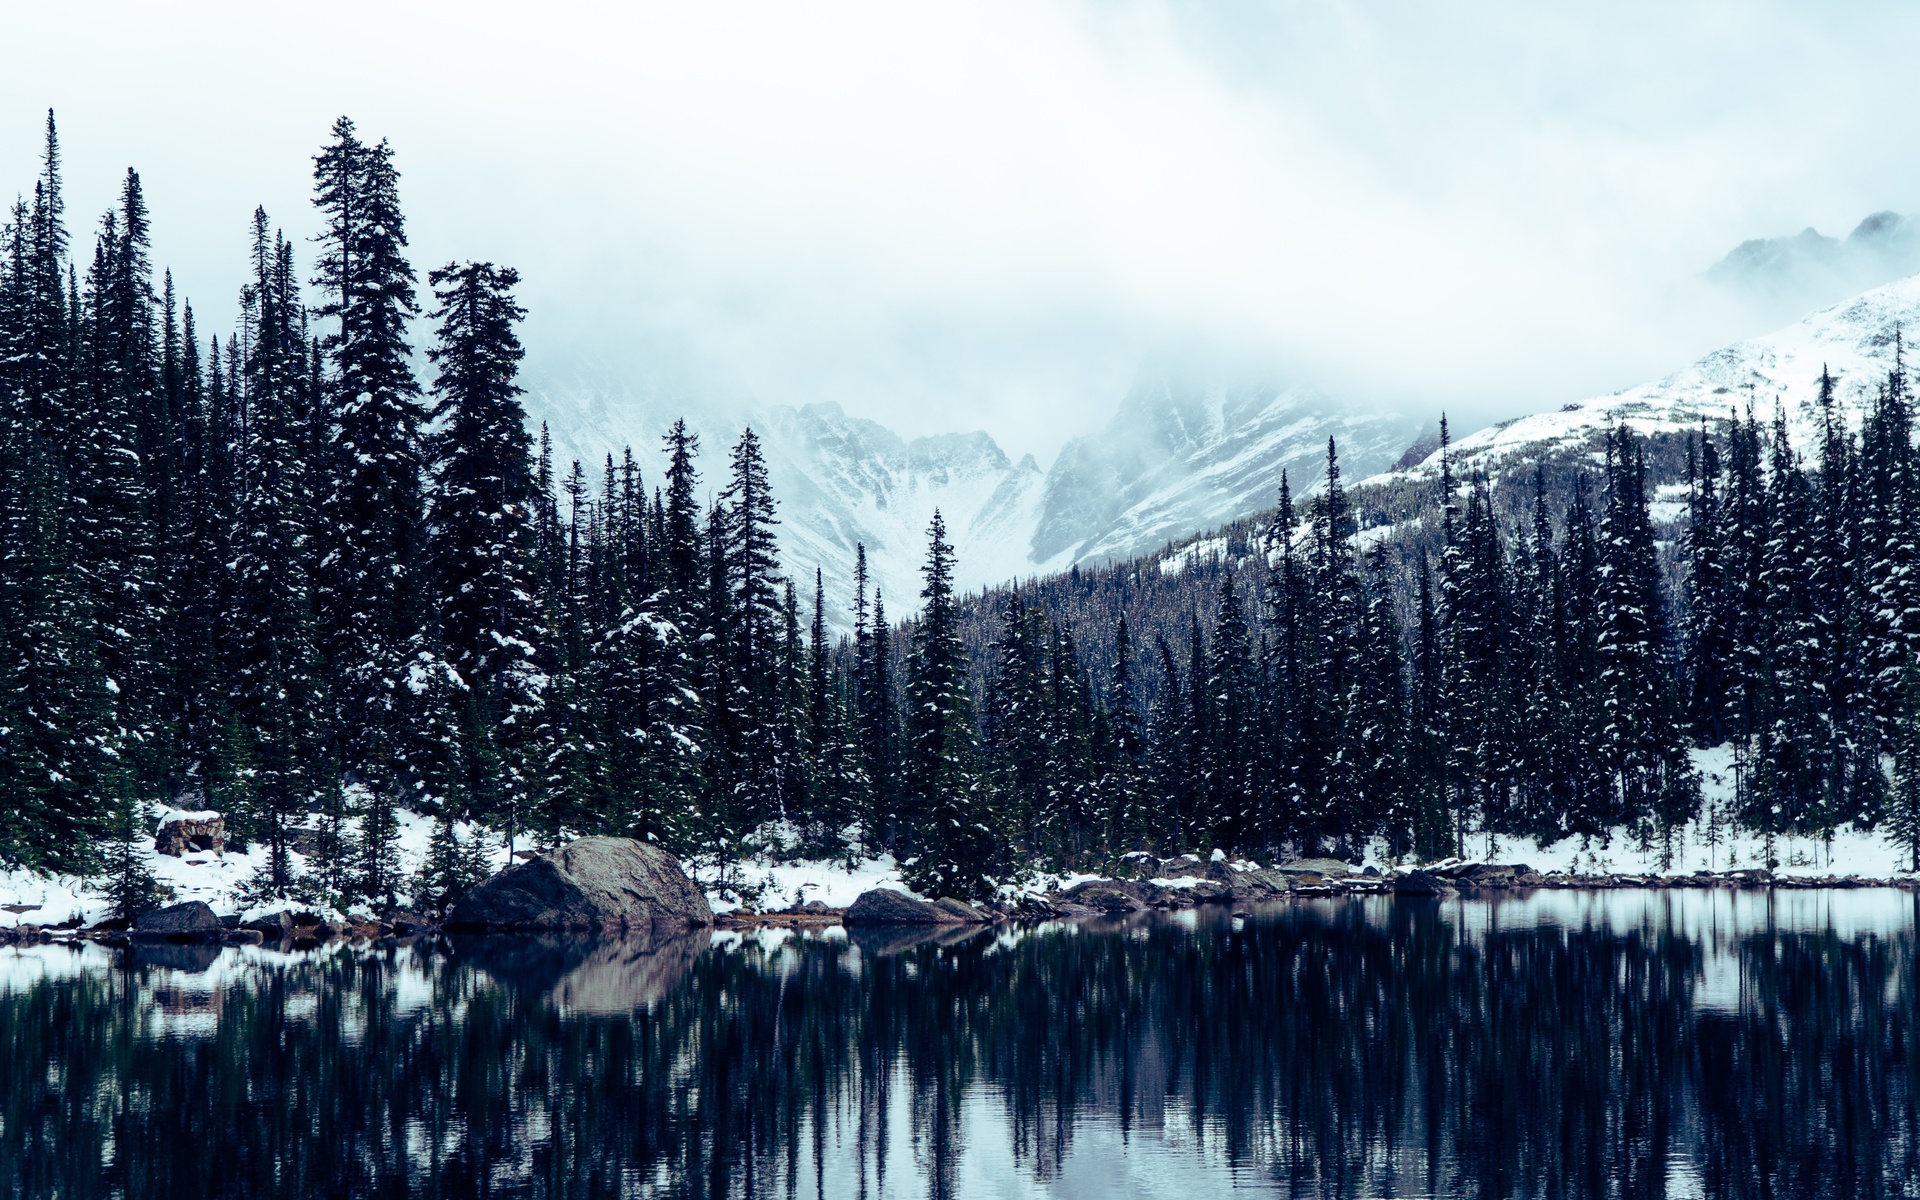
x=316, y=569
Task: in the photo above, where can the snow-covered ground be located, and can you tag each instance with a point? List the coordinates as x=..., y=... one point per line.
x=31, y=898
x=1709, y=843
x=832, y=882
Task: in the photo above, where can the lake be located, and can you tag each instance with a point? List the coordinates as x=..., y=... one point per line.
x=1554, y=1044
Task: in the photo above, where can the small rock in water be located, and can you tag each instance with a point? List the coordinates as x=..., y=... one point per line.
x=1418, y=883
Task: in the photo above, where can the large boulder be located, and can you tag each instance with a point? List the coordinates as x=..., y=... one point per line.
x=190, y=921
x=884, y=906
x=593, y=883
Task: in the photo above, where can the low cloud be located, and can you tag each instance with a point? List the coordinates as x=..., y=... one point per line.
x=987, y=215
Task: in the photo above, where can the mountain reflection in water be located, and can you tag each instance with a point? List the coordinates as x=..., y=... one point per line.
x=1558, y=1045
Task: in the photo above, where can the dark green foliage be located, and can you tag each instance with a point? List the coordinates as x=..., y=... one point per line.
x=130, y=887
x=956, y=849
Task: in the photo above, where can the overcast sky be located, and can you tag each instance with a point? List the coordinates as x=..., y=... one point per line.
x=984, y=215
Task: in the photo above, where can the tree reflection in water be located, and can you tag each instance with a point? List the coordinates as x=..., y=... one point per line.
x=1626, y=1044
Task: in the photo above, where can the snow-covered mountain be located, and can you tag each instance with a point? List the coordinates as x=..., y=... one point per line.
x=838, y=482
x=1176, y=458
x=844, y=481
x=1854, y=340
x=1180, y=457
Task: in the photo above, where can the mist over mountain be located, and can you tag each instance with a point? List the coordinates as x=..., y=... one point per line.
x=1784, y=277
x=1183, y=452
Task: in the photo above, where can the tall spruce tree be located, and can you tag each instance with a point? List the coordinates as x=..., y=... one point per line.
x=481, y=518
x=956, y=849
x=368, y=584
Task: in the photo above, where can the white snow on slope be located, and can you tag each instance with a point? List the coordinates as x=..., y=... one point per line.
x=779, y=885
x=30, y=898
x=1708, y=843
x=1176, y=458
x=1181, y=457
x=1854, y=340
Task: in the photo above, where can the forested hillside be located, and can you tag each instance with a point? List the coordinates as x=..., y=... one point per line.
x=284, y=572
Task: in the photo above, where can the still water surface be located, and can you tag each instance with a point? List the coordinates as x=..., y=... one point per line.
x=1620, y=1044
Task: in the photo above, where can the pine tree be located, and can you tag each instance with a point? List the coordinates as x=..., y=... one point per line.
x=1232, y=704
x=1284, y=778
x=368, y=587
x=1712, y=607
x=1128, y=823
x=1377, y=708
x=268, y=631
x=481, y=515
x=130, y=885
x=750, y=559
x=1652, y=780
x=451, y=867
x=956, y=850
x=1424, y=825
x=1903, y=812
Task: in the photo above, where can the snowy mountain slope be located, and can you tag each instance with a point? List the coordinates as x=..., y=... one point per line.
x=1176, y=458
x=841, y=481
x=1854, y=340
x=1180, y=457
x=838, y=482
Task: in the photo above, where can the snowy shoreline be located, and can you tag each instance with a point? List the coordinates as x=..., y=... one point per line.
x=767, y=890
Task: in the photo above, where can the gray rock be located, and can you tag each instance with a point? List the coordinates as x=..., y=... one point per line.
x=1107, y=899
x=1318, y=866
x=1490, y=874
x=961, y=909
x=593, y=883
x=1187, y=866
x=1144, y=893
x=1419, y=883
x=190, y=920
x=1207, y=891
x=1033, y=908
x=272, y=925
x=1261, y=885
x=884, y=906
